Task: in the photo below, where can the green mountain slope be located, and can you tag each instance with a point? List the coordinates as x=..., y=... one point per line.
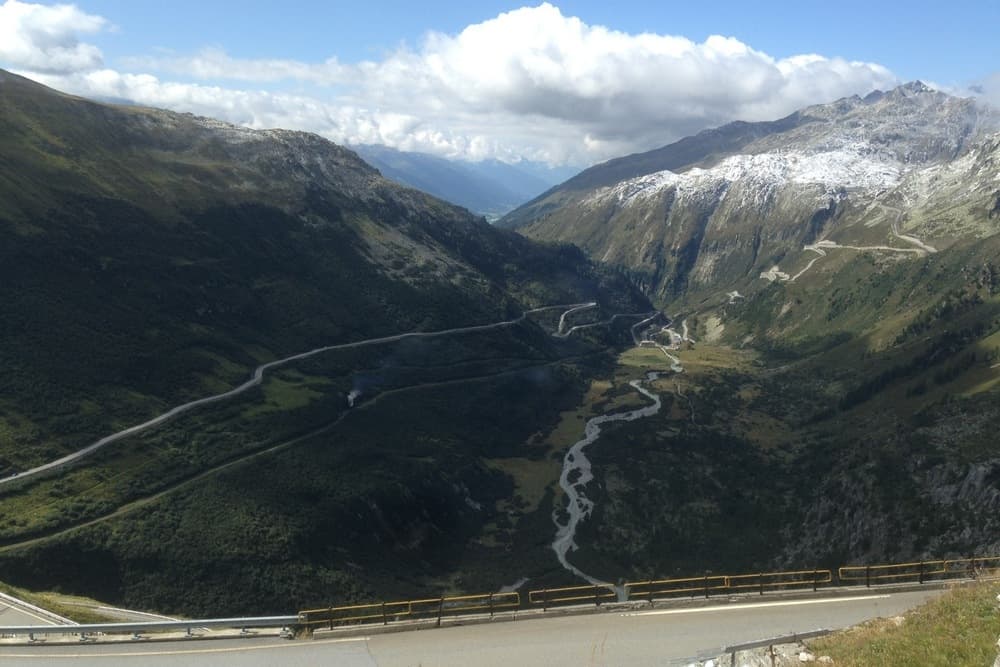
x=150, y=258
x=837, y=272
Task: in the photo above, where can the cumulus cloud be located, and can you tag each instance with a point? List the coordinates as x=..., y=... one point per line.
x=44, y=38
x=529, y=83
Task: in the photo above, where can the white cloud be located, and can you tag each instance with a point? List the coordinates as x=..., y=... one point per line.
x=45, y=38
x=988, y=90
x=214, y=63
x=529, y=83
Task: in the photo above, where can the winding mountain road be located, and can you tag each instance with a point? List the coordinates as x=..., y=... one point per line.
x=820, y=247
x=562, y=318
x=258, y=376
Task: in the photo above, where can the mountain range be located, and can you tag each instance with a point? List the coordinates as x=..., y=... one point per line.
x=738, y=197
x=838, y=270
x=152, y=258
x=488, y=187
x=825, y=374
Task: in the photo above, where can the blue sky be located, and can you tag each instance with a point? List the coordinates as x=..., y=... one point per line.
x=951, y=42
x=571, y=82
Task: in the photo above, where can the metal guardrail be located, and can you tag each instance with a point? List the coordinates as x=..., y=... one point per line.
x=647, y=591
x=144, y=627
x=690, y=586
x=774, y=641
x=491, y=603
x=707, y=585
x=388, y=612
x=568, y=594
x=920, y=571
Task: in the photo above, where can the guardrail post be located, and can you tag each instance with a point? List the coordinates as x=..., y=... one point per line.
x=545, y=599
x=385, y=619
x=706, y=585
x=760, y=579
x=491, y=605
x=814, y=579
x=920, y=577
x=650, y=584
x=597, y=596
x=440, y=611
x=868, y=576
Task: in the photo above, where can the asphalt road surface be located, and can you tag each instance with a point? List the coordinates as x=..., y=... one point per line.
x=11, y=614
x=646, y=637
x=257, y=377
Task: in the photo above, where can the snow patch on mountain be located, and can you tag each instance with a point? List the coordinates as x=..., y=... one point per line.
x=853, y=165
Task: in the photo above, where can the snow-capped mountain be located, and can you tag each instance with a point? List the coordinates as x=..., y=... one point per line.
x=730, y=203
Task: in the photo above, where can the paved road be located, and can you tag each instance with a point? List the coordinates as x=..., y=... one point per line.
x=13, y=614
x=651, y=637
x=257, y=377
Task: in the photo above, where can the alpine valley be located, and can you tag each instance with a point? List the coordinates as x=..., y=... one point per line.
x=819, y=386
x=151, y=258
x=838, y=271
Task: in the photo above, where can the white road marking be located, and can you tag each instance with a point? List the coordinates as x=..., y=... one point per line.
x=24, y=611
x=23, y=607
x=197, y=651
x=757, y=605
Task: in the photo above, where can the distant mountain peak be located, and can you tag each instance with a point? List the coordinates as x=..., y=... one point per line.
x=915, y=87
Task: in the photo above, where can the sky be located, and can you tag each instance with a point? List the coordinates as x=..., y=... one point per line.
x=571, y=82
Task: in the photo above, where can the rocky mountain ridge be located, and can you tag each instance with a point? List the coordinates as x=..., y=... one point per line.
x=849, y=251
x=719, y=220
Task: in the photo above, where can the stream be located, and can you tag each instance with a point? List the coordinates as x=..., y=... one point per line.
x=576, y=474
x=576, y=471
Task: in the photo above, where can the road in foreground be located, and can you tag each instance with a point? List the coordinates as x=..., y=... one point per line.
x=13, y=615
x=646, y=637
x=14, y=611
